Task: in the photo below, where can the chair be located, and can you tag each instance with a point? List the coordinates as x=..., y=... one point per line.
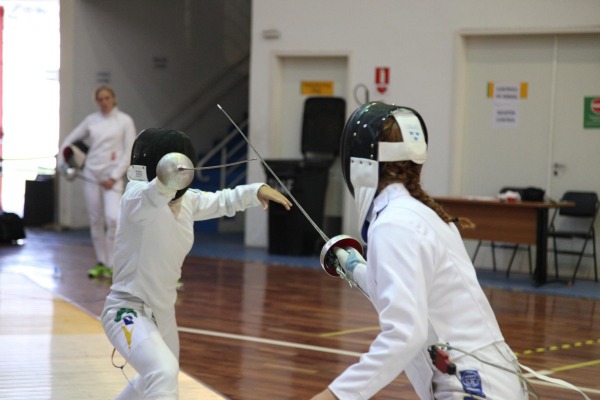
x=527, y=194
x=514, y=246
x=575, y=224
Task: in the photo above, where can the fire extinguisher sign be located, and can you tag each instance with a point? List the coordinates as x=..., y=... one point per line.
x=382, y=79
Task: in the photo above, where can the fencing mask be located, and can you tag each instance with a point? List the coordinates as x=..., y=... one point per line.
x=151, y=145
x=74, y=154
x=361, y=151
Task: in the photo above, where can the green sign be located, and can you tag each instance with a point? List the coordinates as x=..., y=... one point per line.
x=591, y=112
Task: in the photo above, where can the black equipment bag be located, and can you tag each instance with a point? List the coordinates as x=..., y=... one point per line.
x=532, y=194
x=11, y=228
x=529, y=193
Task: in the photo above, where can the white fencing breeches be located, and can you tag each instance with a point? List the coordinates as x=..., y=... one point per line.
x=103, y=208
x=152, y=352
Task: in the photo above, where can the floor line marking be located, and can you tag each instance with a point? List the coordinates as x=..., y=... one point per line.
x=348, y=353
x=583, y=389
x=575, y=366
x=269, y=341
x=347, y=331
x=565, y=346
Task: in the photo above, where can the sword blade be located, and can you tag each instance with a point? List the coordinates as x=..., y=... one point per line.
x=215, y=166
x=319, y=231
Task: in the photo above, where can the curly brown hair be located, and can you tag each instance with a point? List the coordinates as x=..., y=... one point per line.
x=409, y=174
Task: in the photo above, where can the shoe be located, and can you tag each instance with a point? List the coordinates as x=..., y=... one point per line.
x=107, y=273
x=97, y=271
x=180, y=285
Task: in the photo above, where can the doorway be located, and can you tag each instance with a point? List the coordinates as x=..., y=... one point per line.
x=30, y=92
x=296, y=78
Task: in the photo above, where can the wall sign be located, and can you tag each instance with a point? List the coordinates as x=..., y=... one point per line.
x=382, y=79
x=507, y=92
x=311, y=88
x=506, y=98
x=591, y=112
x=506, y=117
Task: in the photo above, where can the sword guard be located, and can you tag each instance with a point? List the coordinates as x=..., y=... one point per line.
x=328, y=260
x=175, y=171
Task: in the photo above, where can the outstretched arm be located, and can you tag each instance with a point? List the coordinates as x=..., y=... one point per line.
x=266, y=193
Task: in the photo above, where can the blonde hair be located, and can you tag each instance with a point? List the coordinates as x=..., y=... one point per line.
x=409, y=174
x=104, y=88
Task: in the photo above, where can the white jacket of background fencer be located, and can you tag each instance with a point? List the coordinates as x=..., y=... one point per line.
x=423, y=285
x=110, y=138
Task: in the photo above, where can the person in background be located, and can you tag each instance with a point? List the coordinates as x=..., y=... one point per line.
x=108, y=135
x=417, y=274
x=155, y=233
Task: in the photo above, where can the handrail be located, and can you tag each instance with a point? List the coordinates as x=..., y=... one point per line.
x=200, y=94
x=222, y=148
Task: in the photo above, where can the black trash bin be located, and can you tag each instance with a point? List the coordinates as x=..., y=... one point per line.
x=290, y=232
x=39, y=201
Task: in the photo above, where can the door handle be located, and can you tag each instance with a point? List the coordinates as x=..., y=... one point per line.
x=558, y=166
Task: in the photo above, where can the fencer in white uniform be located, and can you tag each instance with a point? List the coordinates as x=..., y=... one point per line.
x=109, y=134
x=417, y=274
x=155, y=233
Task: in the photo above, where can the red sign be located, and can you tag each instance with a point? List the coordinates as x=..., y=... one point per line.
x=382, y=79
x=595, y=106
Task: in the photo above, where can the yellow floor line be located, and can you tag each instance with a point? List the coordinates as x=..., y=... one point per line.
x=575, y=366
x=565, y=346
x=348, y=331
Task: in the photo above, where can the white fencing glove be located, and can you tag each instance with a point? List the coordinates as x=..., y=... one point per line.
x=349, y=258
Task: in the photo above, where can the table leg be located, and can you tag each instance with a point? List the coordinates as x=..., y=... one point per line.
x=540, y=274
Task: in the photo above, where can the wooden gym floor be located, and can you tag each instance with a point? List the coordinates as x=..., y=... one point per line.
x=248, y=329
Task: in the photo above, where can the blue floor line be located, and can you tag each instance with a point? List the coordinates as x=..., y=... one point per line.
x=231, y=246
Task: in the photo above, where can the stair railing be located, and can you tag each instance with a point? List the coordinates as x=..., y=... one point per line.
x=225, y=157
x=205, y=98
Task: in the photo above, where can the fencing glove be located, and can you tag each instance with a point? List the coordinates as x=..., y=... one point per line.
x=349, y=258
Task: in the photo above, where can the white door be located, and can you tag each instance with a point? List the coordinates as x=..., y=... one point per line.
x=575, y=150
x=495, y=152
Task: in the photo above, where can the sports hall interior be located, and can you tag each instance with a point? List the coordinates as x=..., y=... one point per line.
x=258, y=316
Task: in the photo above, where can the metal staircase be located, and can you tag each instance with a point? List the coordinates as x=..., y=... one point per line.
x=198, y=111
x=230, y=149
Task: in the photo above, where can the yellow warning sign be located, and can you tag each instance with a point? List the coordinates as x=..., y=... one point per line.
x=311, y=88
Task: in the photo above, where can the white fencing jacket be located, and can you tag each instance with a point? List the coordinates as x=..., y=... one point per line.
x=422, y=283
x=152, y=240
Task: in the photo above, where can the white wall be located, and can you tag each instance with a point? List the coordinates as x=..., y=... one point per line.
x=417, y=39
x=121, y=38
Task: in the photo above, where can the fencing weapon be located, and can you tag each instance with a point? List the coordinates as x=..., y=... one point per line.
x=175, y=170
x=327, y=258
x=216, y=166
